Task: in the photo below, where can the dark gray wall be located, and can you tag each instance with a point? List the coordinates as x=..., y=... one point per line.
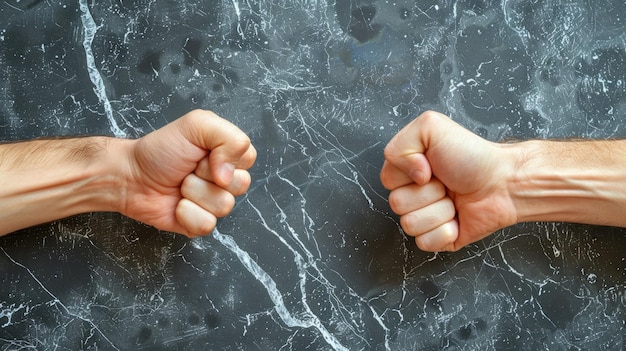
x=312, y=258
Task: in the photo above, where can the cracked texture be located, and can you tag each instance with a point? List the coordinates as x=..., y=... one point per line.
x=312, y=257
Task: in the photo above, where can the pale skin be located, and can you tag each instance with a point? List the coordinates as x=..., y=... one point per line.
x=449, y=186
x=452, y=188
x=180, y=178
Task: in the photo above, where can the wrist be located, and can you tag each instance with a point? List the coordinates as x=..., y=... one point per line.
x=111, y=176
x=527, y=183
x=566, y=182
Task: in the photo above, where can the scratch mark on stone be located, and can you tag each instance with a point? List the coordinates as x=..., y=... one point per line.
x=56, y=300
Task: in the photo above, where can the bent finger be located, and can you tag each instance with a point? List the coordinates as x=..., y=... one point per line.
x=248, y=158
x=413, y=197
x=439, y=239
x=415, y=166
x=240, y=183
x=246, y=162
x=238, y=186
x=407, y=149
x=393, y=177
x=227, y=143
x=428, y=218
x=194, y=218
x=207, y=195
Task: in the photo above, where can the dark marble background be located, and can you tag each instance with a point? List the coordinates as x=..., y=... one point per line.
x=312, y=258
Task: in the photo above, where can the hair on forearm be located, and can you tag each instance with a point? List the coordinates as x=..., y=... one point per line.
x=51, y=151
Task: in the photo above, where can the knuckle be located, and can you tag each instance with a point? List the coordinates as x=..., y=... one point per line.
x=226, y=204
x=241, y=143
x=243, y=184
x=197, y=117
x=408, y=225
x=390, y=150
x=253, y=152
x=442, y=238
x=397, y=202
x=187, y=185
x=394, y=202
x=199, y=113
x=193, y=116
x=429, y=115
x=425, y=243
x=385, y=179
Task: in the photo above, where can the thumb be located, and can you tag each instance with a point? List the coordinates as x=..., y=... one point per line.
x=226, y=143
x=407, y=149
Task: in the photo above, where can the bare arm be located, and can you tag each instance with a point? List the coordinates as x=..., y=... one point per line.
x=45, y=180
x=179, y=178
x=580, y=181
x=452, y=188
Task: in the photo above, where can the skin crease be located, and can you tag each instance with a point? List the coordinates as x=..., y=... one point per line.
x=449, y=186
x=442, y=208
x=452, y=188
x=179, y=178
x=210, y=180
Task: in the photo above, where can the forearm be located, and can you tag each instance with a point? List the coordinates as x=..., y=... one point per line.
x=580, y=182
x=45, y=180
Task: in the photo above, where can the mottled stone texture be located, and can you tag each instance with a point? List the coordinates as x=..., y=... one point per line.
x=312, y=258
